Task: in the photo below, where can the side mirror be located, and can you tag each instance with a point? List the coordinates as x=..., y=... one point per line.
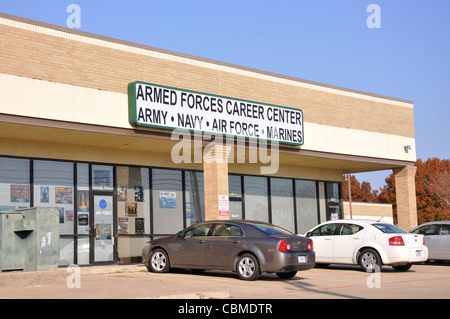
x=180, y=234
x=308, y=234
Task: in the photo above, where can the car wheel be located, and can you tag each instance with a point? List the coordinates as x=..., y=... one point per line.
x=369, y=260
x=248, y=267
x=159, y=261
x=286, y=274
x=402, y=267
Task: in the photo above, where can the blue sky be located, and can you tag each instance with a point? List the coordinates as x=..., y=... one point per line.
x=327, y=41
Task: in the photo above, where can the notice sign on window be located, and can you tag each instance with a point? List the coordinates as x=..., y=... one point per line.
x=224, y=205
x=164, y=107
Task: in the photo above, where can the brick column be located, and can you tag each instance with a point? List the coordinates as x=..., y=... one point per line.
x=405, y=190
x=215, y=172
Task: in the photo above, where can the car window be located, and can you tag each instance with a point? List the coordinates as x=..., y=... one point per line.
x=198, y=231
x=388, y=228
x=445, y=230
x=324, y=230
x=350, y=229
x=425, y=230
x=271, y=229
x=227, y=230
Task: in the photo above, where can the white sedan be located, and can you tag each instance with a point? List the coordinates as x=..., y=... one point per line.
x=369, y=244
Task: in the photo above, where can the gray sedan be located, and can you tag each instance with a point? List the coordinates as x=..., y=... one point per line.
x=437, y=239
x=247, y=247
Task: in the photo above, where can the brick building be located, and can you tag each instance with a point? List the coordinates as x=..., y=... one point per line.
x=81, y=128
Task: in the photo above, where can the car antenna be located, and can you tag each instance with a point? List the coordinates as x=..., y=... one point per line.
x=379, y=219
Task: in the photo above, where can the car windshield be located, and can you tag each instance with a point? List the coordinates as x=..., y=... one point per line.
x=272, y=229
x=388, y=229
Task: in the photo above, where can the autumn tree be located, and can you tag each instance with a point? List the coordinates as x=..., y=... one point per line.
x=361, y=192
x=432, y=190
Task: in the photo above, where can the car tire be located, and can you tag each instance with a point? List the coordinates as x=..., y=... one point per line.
x=402, y=267
x=369, y=260
x=286, y=274
x=159, y=261
x=248, y=267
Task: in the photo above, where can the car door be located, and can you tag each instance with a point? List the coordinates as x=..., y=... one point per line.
x=188, y=249
x=222, y=245
x=323, y=241
x=349, y=237
x=442, y=243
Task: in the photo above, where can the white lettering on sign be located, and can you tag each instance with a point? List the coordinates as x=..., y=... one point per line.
x=165, y=107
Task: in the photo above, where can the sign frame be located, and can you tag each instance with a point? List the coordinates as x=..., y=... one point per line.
x=133, y=113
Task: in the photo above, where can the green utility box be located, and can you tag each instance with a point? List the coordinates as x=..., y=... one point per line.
x=29, y=239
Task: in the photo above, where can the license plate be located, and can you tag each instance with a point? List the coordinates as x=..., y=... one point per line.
x=418, y=253
x=302, y=259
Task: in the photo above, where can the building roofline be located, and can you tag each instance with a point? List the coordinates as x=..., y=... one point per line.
x=192, y=57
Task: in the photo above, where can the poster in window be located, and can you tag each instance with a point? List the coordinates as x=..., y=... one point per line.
x=20, y=193
x=139, y=226
x=44, y=194
x=63, y=195
x=123, y=225
x=138, y=194
x=122, y=193
x=131, y=209
x=102, y=231
x=167, y=200
x=83, y=201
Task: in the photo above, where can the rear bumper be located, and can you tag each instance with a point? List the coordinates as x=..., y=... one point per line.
x=291, y=261
x=405, y=255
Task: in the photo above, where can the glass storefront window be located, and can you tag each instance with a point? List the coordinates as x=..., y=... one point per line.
x=83, y=219
x=306, y=205
x=133, y=210
x=167, y=201
x=14, y=183
x=53, y=187
x=195, y=197
x=256, y=198
x=133, y=200
x=281, y=194
x=102, y=178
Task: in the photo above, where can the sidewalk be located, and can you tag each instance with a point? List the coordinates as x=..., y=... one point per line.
x=24, y=279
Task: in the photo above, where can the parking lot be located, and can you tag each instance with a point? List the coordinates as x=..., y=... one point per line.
x=334, y=282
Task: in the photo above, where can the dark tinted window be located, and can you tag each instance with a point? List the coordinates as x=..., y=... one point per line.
x=272, y=229
x=388, y=229
x=425, y=230
x=349, y=229
x=227, y=230
x=324, y=230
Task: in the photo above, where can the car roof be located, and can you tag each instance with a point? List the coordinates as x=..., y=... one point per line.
x=438, y=222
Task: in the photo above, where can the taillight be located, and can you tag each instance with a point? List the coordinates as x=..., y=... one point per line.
x=396, y=241
x=284, y=246
x=310, y=246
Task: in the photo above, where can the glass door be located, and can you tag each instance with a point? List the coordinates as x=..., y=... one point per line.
x=103, y=228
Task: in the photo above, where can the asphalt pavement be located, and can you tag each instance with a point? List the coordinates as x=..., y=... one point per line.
x=425, y=281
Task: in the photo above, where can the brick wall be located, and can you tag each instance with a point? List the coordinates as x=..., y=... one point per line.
x=26, y=52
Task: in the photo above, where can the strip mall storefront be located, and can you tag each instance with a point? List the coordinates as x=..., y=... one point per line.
x=124, y=139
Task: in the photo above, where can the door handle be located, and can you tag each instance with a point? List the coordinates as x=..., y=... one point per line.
x=327, y=238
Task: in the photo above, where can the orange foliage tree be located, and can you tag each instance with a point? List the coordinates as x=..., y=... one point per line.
x=432, y=190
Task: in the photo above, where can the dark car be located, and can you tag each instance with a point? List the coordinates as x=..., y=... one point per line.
x=247, y=247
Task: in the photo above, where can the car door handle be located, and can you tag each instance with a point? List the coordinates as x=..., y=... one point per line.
x=327, y=238
x=236, y=241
